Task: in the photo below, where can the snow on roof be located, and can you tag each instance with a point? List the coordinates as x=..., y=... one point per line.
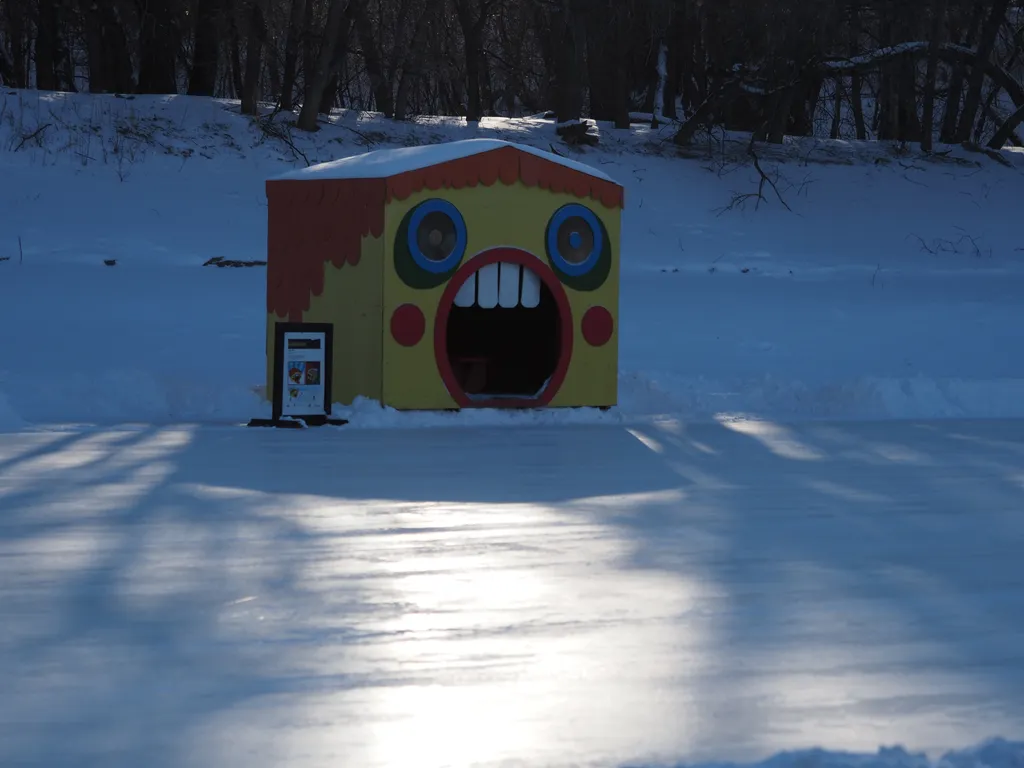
x=383, y=163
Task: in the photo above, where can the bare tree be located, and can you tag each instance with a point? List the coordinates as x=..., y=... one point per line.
x=202, y=79
x=106, y=41
x=996, y=16
x=332, y=48
x=928, y=108
x=291, y=53
x=257, y=33
x=159, y=42
x=473, y=16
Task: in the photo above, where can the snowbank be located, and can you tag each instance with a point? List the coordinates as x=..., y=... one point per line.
x=889, y=288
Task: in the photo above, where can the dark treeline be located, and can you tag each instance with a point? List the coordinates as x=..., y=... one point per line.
x=907, y=70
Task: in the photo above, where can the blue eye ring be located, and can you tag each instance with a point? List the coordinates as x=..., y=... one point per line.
x=423, y=210
x=562, y=215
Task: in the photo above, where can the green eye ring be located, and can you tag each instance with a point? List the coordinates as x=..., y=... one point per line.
x=430, y=244
x=586, y=271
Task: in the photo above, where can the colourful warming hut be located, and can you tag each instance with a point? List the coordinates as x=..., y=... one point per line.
x=476, y=273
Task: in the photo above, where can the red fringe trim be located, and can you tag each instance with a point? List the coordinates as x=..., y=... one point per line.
x=508, y=165
x=311, y=223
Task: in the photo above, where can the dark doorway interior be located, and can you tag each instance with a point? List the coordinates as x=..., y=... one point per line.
x=505, y=352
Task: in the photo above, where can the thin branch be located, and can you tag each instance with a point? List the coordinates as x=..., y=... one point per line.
x=29, y=137
x=764, y=177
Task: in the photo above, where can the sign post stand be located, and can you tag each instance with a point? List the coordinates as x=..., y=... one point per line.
x=302, y=376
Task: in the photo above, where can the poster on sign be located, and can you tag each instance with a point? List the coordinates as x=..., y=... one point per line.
x=302, y=372
x=303, y=375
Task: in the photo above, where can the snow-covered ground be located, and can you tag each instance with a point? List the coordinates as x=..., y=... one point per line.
x=891, y=289
x=779, y=540
x=544, y=596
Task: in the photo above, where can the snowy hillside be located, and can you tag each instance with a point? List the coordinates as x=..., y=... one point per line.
x=866, y=282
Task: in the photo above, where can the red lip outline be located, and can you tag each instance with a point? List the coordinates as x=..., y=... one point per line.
x=544, y=272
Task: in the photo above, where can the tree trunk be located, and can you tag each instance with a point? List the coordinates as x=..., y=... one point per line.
x=328, y=97
x=598, y=64
x=291, y=54
x=253, y=58
x=110, y=65
x=857, y=104
x=805, y=105
x=989, y=110
x=273, y=73
x=974, y=85
x=472, y=15
x=159, y=40
x=236, y=61
x=47, y=45
x=856, y=90
x=333, y=47
x=887, y=108
x=405, y=82
x=412, y=66
x=566, y=27
x=909, y=122
x=17, y=65
x=885, y=121
x=474, y=57
x=202, y=80
x=619, y=81
x=94, y=49
x=487, y=94
x=379, y=84
x=956, y=80
x=778, y=119
x=6, y=70
x=837, y=109
x=65, y=67
x=547, y=44
x=675, y=39
x=928, y=108
x=607, y=38
x=309, y=50
x=892, y=105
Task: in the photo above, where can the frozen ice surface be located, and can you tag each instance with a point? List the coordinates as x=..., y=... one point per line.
x=556, y=596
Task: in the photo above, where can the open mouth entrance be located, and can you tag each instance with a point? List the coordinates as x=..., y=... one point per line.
x=504, y=336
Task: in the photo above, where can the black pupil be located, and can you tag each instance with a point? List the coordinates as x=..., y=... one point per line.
x=575, y=240
x=436, y=236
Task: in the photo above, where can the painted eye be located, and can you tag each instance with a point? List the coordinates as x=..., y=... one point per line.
x=575, y=240
x=578, y=247
x=436, y=236
x=429, y=244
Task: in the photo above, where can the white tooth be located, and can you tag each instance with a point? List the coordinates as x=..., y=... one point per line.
x=487, y=286
x=466, y=296
x=531, y=288
x=508, y=292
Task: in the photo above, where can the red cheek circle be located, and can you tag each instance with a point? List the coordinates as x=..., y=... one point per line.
x=408, y=325
x=597, y=326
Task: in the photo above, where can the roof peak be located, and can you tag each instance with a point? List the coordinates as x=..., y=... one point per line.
x=388, y=162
